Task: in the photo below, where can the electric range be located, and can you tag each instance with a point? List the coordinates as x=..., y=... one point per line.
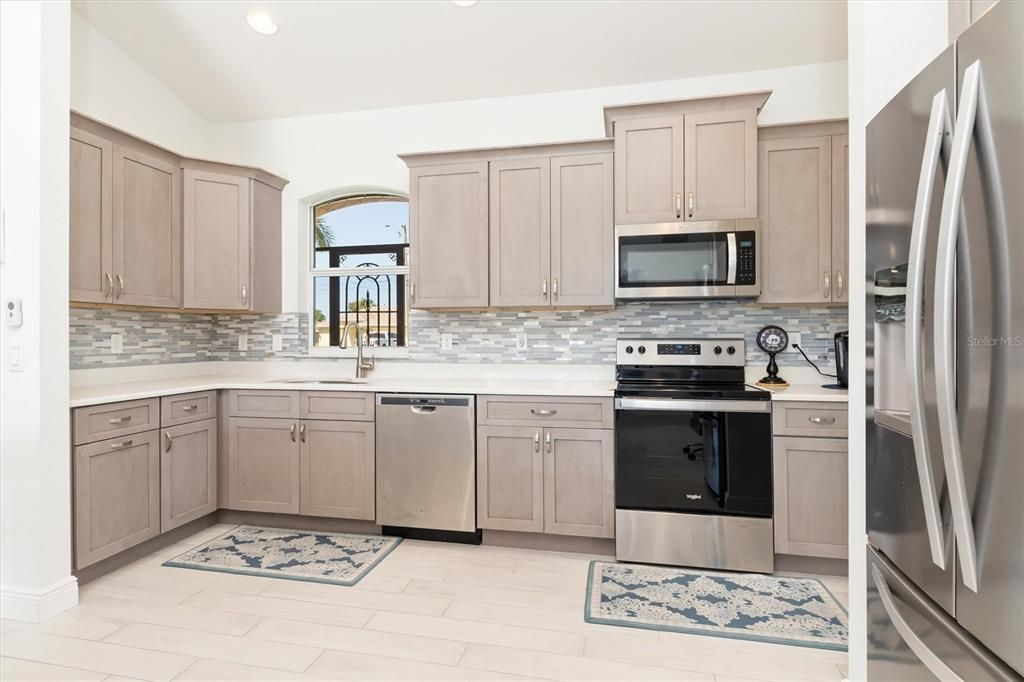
x=693, y=456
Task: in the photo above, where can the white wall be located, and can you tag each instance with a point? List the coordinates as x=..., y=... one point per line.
x=35, y=493
x=109, y=85
x=889, y=43
x=320, y=153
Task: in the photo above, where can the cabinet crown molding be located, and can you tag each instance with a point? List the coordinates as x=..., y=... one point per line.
x=681, y=107
x=414, y=159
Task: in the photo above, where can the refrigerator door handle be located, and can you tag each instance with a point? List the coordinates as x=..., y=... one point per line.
x=936, y=149
x=972, y=122
x=929, y=658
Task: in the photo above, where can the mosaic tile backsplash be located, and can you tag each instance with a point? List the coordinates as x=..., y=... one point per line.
x=571, y=337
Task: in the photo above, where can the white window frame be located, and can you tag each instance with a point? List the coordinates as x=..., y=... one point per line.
x=309, y=273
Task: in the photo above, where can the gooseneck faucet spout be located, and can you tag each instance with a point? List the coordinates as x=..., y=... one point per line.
x=363, y=365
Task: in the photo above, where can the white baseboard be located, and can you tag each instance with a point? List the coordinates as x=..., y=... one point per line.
x=38, y=605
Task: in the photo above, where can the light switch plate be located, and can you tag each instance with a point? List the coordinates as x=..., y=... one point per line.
x=117, y=343
x=15, y=359
x=794, y=337
x=446, y=341
x=275, y=342
x=243, y=342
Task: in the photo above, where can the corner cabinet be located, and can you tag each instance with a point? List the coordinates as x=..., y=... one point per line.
x=448, y=236
x=528, y=227
x=802, y=185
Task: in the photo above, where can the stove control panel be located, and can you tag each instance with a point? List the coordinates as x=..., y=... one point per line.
x=674, y=352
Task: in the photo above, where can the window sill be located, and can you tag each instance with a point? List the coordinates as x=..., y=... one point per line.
x=350, y=353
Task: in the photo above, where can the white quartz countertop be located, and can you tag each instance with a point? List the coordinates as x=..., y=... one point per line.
x=82, y=396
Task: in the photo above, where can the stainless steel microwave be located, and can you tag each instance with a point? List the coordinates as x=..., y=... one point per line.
x=707, y=259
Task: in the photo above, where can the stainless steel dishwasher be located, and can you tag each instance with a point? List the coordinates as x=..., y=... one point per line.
x=426, y=463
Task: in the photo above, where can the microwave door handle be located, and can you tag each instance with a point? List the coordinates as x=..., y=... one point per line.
x=936, y=148
x=730, y=240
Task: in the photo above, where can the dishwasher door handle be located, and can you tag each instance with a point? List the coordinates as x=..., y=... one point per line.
x=423, y=409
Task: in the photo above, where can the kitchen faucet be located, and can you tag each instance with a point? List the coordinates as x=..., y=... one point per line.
x=363, y=366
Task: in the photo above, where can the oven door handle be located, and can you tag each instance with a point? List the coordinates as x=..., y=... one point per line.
x=731, y=255
x=669, y=405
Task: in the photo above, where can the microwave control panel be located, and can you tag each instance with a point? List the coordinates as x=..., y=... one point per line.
x=746, y=262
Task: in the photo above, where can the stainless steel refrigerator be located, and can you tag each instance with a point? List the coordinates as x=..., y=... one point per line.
x=945, y=364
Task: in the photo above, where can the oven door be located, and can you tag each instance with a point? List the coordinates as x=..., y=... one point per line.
x=695, y=456
x=676, y=261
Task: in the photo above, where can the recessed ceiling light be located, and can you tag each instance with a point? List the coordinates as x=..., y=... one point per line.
x=261, y=22
x=463, y=3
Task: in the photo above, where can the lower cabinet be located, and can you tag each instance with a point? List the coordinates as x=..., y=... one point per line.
x=337, y=469
x=188, y=473
x=117, y=495
x=263, y=465
x=546, y=480
x=811, y=496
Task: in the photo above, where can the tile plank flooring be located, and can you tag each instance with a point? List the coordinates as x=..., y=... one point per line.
x=429, y=611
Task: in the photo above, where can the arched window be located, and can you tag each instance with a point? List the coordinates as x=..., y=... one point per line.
x=360, y=269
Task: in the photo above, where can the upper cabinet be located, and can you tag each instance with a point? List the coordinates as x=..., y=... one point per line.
x=802, y=205
x=686, y=160
x=148, y=228
x=513, y=228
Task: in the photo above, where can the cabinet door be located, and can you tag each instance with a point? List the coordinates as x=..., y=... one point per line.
x=147, y=230
x=582, y=231
x=579, y=484
x=720, y=166
x=216, y=241
x=840, y=217
x=648, y=170
x=188, y=473
x=448, y=236
x=810, y=476
x=117, y=495
x=510, y=478
x=263, y=465
x=796, y=220
x=90, y=218
x=520, y=232
x=337, y=469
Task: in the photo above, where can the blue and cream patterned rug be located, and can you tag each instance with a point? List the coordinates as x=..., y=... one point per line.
x=335, y=558
x=766, y=608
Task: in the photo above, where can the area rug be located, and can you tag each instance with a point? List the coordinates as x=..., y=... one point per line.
x=765, y=608
x=335, y=558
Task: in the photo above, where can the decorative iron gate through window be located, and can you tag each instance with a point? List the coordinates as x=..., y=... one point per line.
x=359, y=303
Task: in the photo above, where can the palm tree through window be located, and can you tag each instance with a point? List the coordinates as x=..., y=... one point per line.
x=360, y=269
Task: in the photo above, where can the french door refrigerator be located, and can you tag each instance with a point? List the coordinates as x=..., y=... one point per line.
x=945, y=364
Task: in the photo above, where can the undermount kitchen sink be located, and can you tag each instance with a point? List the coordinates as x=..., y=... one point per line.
x=322, y=381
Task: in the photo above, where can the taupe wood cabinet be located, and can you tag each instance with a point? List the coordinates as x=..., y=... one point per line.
x=188, y=472
x=117, y=495
x=337, y=469
x=448, y=236
x=802, y=185
x=649, y=170
x=550, y=231
x=125, y=227
x=535, y=475
x=810, y=480
x=263, y=465
x=720, y=165
x=148, y=228
x=527, y=227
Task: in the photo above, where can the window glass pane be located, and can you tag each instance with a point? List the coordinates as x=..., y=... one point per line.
x=342, y=226
x=377, y=303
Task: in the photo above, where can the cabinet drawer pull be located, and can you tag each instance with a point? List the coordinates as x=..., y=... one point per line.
x=188, y=408
x=120, y=420
x=690, y=204
x=412, y=291
x=167, y=442
x=554, y=288
x=108, y=284
x=122, y=444
x=543, y=413
x=302, y=432
x=291, y=432
x=828, y=284
x=679, y=204
x=120, y=287
x=839, y=284
x=822, y=420
x=547, y=440
x=544, y=286
x=536, y=441
x=245, y=294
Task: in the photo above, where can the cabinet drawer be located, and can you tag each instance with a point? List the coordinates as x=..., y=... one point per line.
x=499, y=410
x=336, y=405
x=262, y=403
x=809, y=419
x=97, y=422
x=187, y=407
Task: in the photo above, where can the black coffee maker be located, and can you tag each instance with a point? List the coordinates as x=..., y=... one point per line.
x=842, y=344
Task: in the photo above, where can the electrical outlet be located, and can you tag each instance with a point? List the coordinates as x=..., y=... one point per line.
x=275, y=342
x=521, y=341
x=794, y=338
x=446, y=341
x=243, y=342
x=117, y=343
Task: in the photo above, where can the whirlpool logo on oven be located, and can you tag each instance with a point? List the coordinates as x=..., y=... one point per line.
x=693, y=496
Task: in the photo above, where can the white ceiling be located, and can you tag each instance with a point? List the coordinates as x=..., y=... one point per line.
x=348, y=56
